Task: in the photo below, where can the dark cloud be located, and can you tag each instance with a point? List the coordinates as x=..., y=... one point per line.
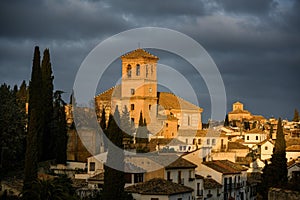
x=255, y=44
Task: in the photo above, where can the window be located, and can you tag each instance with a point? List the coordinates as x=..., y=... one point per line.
x=248, y=137
x=208, y=141
x=150, y=90
x=179, y=177
x=149, y=107
x=92, y=166
x=198, y=189
x=167, y=124
x=146, y=71
x=213, y=141
x=132, y=91
x=128, y=71
x=132, y=120
x=186, y=141
x=169, y=176
x=256, y=137
x=190, y=174
x=138, y=69
x=194, y=141
x=266, y=148
x=132, y=107
x=138, y=178
x=189, y=120
x=199, y=141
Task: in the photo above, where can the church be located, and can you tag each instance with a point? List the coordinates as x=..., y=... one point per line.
x=165, y=113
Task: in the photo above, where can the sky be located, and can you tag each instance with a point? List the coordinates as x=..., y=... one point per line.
x=255, y=44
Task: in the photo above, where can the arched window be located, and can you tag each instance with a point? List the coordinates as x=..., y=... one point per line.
x=138, y=69
x=129, y=71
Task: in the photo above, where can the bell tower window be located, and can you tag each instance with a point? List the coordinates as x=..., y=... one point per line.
x=138, y=69
x=129, y=71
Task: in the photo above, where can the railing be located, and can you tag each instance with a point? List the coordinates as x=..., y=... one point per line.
x=233, y=186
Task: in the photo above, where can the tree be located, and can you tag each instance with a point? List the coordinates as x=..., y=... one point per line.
x=275, y=173
x=12, y=128
x=34, y=126
x=59, y=127
x=271, y=131
x=48, y=140
x=226, y=121
x=127, y=127
x=114, y=180
x=296, y=116
x=142, y=136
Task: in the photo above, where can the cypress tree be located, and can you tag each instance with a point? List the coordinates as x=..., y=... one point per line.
x=48, y=139
x=275, y=174
x=142, y=136
x=296, y=116
x=59, y=126
x=34, y=126
x=127, y=127
x=114, y=180
x=226, y=121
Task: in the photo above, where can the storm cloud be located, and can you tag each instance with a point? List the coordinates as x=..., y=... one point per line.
x=255, y=44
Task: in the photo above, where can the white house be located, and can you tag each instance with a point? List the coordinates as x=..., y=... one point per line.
x=254, y=137
x=293, y=152
x=159, y=189
x=265, y=149
x=232, y=176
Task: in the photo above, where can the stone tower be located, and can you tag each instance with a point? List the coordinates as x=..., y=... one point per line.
x=139, y=84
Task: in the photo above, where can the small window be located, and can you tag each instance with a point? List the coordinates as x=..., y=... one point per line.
x=167, y=124
x=199, y=141
x=138, y=69
x=150, y=90
x=92, y=166
x=132, y=107
x=248, y=137
x=179, y=181
x=129, y=71
x=266, y=148
x=146, y=71
x=149, y=107
x=213, y=141
x=208, y=141
x=132, y=91
x=256, y=137
x=132, y=120
x=189, y=120
x=168, y=176
x=194, y=141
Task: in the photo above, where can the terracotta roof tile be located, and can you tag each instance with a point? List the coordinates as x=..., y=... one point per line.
x=171, y=101
x=236, y=145
x=158, y=186
x=139, y=53
x=181, y=163
x=293, y=148
x=210, y=183
x=225, y=166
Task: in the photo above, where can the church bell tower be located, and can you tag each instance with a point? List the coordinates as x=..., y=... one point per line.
x=139, y=83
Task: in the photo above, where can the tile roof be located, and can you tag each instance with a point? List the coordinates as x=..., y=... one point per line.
x=158, y=186
x=210, y=183
x=239, y=111
x=293, y=148
x=236, y=145
x=197, y=176
x=181, y=163
x=166, y=141
x=171, y=101
x=255, y=130
x=225, y=166
x=200, y=133
x=114, y=92
x=139, y=53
